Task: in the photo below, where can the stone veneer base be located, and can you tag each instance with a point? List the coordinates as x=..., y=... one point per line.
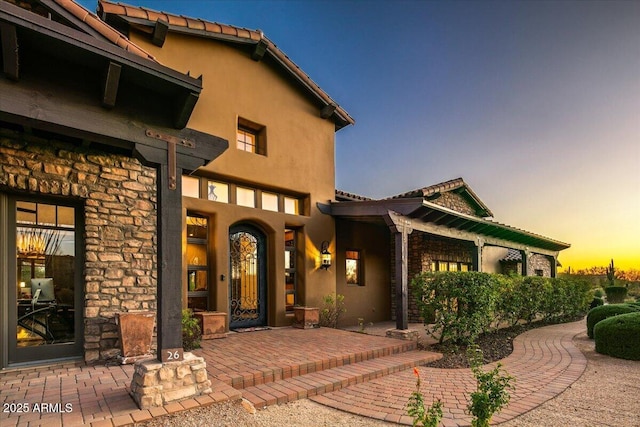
x=403, y=334
x=155, y=383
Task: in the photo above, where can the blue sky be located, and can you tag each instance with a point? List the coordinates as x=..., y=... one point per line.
x=536, y=104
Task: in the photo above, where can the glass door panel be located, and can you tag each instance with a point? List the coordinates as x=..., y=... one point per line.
x=45, y=316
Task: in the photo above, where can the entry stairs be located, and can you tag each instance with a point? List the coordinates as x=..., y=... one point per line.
x=286, y=382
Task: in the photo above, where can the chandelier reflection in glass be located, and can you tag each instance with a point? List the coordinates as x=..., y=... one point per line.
x=36, y=242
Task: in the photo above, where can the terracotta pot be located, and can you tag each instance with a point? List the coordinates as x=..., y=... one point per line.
x=306, y=317
x=213, y=324
x=135, y=330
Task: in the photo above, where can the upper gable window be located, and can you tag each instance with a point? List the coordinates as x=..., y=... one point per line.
x=251, y=137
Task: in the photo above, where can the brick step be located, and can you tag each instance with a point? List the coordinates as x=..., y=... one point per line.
x=324, y=381
x=267, y=374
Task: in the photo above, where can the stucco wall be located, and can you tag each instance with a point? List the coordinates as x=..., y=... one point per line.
x=371, y=301
x=299, y=161
x=491, y=256
x=119, y=199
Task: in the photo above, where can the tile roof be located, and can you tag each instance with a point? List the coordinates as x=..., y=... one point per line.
x=512, y=256
x=224, y=32
x=102, y=28
x=442, y=187
x=344, y=196
x=432, y=189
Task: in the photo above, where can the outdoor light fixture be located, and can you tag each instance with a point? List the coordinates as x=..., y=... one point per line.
x=325, y=256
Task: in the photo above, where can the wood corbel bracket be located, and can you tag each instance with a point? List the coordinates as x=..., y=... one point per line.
x=172, y=143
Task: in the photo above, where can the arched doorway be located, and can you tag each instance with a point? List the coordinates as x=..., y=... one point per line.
x=248, y=283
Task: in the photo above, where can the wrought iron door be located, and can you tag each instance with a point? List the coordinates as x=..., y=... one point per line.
x=247, y=285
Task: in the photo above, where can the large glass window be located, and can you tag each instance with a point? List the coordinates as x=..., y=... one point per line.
x=46, y=265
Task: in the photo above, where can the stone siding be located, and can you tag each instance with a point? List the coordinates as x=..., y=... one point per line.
x=539, y=262
x=423, y=249
x=455, y=202
x=119, y=196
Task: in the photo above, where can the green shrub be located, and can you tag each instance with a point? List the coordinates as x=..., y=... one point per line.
x=598, y=293
x=190, y=331
x=603, y=312
x=597, y=302
x=464, y=303
x=492, y=389
x=533, y=291
x=508, y=301
x=618, y=336
x=332, y=309
x=615, y=294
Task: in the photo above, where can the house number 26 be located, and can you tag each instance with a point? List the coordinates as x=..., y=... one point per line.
x=172, y=354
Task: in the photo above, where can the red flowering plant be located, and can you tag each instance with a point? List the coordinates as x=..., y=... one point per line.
x=426, y=417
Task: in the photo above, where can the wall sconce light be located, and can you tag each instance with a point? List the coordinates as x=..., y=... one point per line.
x=325, y=256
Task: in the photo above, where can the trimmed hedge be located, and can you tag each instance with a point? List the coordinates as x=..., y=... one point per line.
x=467, y=304
x=618, y=336
x=605, y=311
x=597, y=302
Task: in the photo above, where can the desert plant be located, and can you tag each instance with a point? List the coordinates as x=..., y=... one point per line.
x=598, y=314
x=190, y=331
x=332, y=309
x=615, y=294
x=618, y=336
x=422, y=416
x=492, y=389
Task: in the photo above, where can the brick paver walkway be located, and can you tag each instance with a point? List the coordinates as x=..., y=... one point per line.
x=544, y=362
x=363, y=374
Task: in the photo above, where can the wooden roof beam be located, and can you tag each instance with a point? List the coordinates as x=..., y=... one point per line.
x=9, y=50
x=185, y=110
x=260, y=50
x=160, y=30
x=327, y=111
x=111, y=83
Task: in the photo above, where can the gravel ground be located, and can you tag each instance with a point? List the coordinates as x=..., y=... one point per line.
x=605, y=395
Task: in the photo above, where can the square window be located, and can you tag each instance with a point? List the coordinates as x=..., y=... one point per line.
x=245, y=197
x=251, y=137
x=218, y=191
x=291, y=206
x=190, y=186
x=270, y=202
x=246, y=140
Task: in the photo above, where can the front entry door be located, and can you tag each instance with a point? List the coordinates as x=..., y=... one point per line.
x=43, y=285
x=248, y=284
